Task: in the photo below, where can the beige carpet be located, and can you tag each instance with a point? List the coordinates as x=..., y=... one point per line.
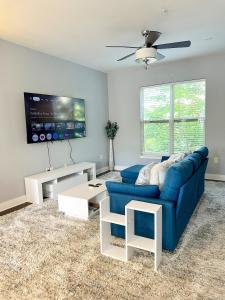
x=44, y=255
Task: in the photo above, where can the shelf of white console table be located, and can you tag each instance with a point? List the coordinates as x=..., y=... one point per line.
x=141, y=243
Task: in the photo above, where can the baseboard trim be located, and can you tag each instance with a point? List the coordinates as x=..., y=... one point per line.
x=22, y=199
x=102, y=170
x=218, y=177
x=8, y=204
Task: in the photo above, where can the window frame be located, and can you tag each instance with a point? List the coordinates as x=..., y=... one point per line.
x=171, y=121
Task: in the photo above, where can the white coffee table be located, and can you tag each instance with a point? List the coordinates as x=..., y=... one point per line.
x=76, y=201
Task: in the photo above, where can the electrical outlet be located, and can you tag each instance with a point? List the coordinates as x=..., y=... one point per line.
x=48, y=169
x=216, y=160
x=101, y=156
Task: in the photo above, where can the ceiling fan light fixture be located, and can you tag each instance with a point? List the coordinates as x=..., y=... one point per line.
x=146, y=55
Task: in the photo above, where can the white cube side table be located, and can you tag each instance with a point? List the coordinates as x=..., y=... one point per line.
x=134, y=241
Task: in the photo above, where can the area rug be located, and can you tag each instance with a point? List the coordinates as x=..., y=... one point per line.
x=45, y=255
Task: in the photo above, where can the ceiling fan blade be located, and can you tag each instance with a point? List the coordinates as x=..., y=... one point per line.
x=151, y=38
x=126, y=56
x=183, y=44
x=159, y=56
x=123, y=47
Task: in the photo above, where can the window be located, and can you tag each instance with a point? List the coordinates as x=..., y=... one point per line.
x=173, y=117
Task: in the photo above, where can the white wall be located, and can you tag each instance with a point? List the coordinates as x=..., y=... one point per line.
x=22, y=69
x=124, y=87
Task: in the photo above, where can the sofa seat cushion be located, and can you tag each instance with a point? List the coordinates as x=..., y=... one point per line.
x=151, y=191
x=131, y=172
x=128, y=180
x=177, y=175
x=203, y=151
x=196, y=160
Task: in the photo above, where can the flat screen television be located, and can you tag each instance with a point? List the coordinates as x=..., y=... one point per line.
x=53, y=118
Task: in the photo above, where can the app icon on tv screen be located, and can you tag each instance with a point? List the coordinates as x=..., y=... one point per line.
x=52, y=118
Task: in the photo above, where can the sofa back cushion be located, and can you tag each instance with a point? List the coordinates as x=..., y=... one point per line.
x=196, y=159
x=177, y=175
x=203, y=151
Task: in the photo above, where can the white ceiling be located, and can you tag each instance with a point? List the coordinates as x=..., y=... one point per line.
x=78, y=30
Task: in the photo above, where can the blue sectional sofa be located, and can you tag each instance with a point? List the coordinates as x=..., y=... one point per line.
x=182, y=190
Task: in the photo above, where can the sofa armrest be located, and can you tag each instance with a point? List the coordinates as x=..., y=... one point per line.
x=132, y=189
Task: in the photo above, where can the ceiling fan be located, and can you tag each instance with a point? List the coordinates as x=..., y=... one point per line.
x=148, y=53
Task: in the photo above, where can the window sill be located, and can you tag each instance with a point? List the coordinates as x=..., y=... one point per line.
x=151, y=156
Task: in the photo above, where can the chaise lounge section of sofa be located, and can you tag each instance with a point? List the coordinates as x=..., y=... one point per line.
x=182, y=190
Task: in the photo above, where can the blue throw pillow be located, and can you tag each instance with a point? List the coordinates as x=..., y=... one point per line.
x=164, y=157
x=131, y=172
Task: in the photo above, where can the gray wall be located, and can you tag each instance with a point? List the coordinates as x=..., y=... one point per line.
x=124, y=87
x=22, y=69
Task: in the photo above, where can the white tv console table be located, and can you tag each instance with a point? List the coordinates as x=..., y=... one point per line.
x=33, y=184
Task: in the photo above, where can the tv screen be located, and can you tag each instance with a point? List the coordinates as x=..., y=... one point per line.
x=53, y=118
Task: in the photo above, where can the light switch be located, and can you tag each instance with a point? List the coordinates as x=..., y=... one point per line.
x=216, y=159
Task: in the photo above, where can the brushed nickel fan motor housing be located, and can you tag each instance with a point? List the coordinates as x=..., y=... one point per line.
x=146, y=55
x=145, y=33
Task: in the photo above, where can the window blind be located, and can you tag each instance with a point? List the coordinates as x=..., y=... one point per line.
x=173, y=117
